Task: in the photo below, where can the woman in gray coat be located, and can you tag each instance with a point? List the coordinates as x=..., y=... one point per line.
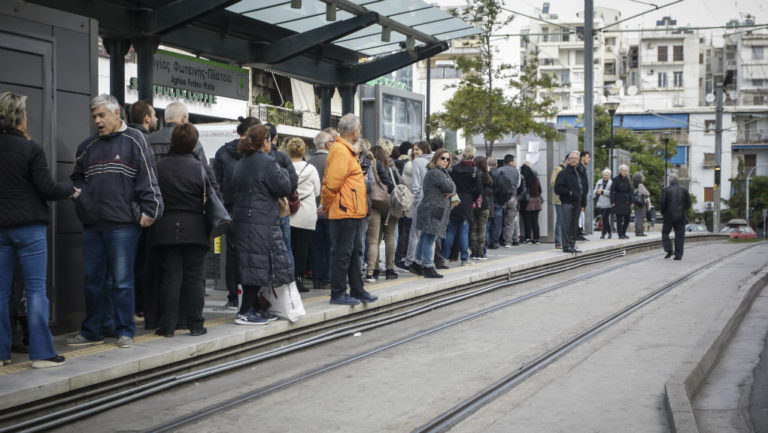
x=433, y=212
x=640, y=210
x=261, y=251
x=603, y=194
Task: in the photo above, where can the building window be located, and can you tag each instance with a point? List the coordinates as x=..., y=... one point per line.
x=633, y=78
x=610, y=69
x=749, y=162
x=565, y=36
x=610, y=41
x=661, y=53
x=701, y=58
x=545, y=34
x=662, y=80
x=709, y=126
x=709, y=193
x=677, y=53
x=565, y=78
x=757, y=53
x=678, y=77
x=758, y=83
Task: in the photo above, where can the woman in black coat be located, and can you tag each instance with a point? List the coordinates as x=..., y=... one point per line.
x=26, y=185
x=529, y=210
x=180, y=236
x=261, y=251
x=469, y=187
x=621, y=200
x=433, y=212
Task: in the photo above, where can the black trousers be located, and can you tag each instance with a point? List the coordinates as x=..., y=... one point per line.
x=622, y=222
x=346, y=256
x=571, y=214
x=231, y=267
x=605, y=215
x=403, y=231
x=679, y=227
x=530, y=224
x=181, y=282
x=301, y=239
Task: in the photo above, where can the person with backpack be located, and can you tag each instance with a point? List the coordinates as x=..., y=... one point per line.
x=507, y=186
x=621, y=200
x=640, y=197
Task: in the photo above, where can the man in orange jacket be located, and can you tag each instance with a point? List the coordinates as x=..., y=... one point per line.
x=344, y=197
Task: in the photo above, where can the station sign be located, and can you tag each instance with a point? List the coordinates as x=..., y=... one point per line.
x=198, y=77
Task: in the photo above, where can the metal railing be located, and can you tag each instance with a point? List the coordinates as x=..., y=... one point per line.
x=752, y=136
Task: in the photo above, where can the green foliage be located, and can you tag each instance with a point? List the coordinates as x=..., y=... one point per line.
x=758, y=199
x=479, y=105
x=647, y=151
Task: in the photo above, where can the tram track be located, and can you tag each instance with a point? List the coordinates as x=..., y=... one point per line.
x=318, y=335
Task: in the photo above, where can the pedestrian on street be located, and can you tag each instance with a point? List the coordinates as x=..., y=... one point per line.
x=557, y=203
x=621, y=200
x=320, y=248
x=304, y=220
x=421, y=158
x=603, y=194
x=481, y=209
x=674, y=205
x=433, y=212
x=27, y=184
x=507, y=185
x=344, y=197
x=569, y=187
x=640, y=209
x=469, y=186
x=586, y=180
x=116, y=171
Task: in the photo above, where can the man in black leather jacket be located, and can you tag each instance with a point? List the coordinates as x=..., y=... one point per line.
x=570, y=188
x=675, y=202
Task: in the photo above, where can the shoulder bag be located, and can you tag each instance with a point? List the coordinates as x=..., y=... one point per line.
x=217, y=219
x=380, y=197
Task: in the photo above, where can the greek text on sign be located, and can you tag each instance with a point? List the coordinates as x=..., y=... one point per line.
x=198, y=75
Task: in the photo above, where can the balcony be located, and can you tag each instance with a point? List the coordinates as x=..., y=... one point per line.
x=752, y=136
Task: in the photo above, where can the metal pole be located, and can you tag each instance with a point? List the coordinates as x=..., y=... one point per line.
x=718, y=150
x=666, y=162
x=610, y=155
x=428, y=126
x=589, y=113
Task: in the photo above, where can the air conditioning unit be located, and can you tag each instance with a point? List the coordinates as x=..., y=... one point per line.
x=709, y=206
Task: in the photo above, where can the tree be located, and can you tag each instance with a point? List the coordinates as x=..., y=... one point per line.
x=758, y=199
x=479, y=106
x=647, y=152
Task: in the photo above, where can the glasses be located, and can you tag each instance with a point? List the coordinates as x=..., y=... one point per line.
x=445, y=158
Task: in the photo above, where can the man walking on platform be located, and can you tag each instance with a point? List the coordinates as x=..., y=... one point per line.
x=675, y=202
x=344, y=198
x=116, y=173
x=569, y=187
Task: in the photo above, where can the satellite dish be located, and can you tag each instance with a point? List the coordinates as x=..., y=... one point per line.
x=619, y=83
x=710, y=98
x=733, y=95
x=632, y=90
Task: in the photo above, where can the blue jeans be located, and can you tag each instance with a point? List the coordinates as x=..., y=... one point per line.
x=425, y=250
x=558, y=225
x=458, y=228
x=285, y=227
x=114, y=252
x=29, y=244
x=320, y=251
x=494, y=225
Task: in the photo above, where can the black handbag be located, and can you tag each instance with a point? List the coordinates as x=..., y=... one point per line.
x=217, y=219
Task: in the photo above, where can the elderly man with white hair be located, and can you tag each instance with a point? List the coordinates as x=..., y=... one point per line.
x=570, y=189
x=116, y=172
x=603, y=204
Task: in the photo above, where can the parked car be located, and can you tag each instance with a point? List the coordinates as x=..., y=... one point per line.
x=696, y=228
x=740, y=232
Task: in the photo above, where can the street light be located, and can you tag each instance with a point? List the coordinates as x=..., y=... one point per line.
x=611, y=106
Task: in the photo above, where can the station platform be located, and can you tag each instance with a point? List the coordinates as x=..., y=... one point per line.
x=92, y=365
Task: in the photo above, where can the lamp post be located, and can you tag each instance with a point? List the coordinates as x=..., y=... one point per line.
x=611, y=106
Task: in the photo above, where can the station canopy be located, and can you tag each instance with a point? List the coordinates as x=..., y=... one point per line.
x=323, y=42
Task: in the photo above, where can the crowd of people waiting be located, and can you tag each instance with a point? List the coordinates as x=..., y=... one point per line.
x=140, y=191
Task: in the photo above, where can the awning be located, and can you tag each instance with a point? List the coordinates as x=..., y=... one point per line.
x=636, y=122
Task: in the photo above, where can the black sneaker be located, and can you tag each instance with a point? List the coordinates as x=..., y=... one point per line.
x=431, y=273
x=391, y=274
x=300, y=285
x=198, y=332
x=163, y=333
x=401, y=264
x=442, y=266
x=344, y=300
x=415, y=268
x=365, y=296
x=50, y=362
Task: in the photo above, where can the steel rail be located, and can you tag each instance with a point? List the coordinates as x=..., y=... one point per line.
x=165, y=381
x=466, y=408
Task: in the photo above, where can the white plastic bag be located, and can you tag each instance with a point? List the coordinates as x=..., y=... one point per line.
x=284, y=301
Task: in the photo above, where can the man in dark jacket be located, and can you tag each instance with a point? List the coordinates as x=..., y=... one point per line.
x=224, y=168
x=116, y=173
x=143, y=117
x=675, y=202
x=584, y=158
x=320, y=249
x=570, y=189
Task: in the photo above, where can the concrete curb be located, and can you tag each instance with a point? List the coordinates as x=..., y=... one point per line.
x=681, y=389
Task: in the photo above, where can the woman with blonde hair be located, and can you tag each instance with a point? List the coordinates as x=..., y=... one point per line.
x=303, y=221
